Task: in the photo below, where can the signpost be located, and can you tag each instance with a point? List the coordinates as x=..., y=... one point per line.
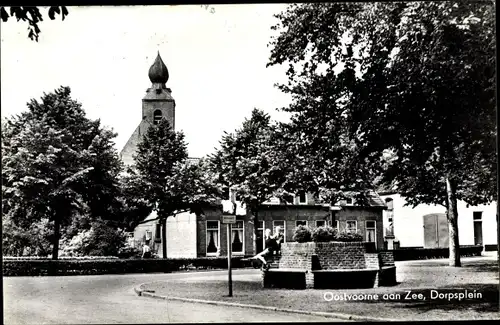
x=229, y=220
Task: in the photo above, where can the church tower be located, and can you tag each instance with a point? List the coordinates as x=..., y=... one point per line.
x=157, y=104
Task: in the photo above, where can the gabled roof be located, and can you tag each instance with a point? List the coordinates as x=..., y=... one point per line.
x=374, y=200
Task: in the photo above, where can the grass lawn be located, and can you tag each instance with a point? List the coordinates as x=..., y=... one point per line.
x=479, y=276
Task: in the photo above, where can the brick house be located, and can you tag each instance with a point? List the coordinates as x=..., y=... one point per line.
x=190, y=235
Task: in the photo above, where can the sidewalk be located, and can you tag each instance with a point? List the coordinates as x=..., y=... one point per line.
x=426, y=290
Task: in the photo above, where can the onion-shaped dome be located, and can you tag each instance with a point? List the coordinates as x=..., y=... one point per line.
x=158, y=72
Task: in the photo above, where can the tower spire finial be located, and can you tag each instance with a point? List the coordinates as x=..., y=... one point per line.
x=158, y=72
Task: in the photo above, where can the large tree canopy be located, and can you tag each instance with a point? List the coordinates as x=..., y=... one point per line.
x=413, y=81
x=56, y=161
x=248, y=164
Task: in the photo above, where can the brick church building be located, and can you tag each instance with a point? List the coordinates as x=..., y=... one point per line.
x=190, y=235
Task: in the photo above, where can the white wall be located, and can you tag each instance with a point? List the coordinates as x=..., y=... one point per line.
x=181, y=236
x=408, y=222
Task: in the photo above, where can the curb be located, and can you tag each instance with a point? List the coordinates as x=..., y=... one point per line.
x=150, y=293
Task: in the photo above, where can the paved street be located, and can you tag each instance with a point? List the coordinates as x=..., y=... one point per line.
x=111, y=299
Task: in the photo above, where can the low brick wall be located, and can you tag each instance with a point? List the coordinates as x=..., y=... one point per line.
x=340, y=255
x=297, y=255
x=331, y=255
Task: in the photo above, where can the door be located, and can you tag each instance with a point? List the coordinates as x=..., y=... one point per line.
x=430, y=231
x=478, y=228
x=478, y=233
x=435, y=230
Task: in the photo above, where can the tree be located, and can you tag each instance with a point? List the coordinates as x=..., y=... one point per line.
x=56, y=162
x=134, y=205
x=247, y=164
x=171, y=184
x=33, y=16
x=34, y=240
x=411, y=79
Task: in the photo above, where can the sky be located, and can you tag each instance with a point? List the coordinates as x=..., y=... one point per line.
x=216, y=57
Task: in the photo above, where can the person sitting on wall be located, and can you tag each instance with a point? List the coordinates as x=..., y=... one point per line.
x=270, y=248
x=146, y=250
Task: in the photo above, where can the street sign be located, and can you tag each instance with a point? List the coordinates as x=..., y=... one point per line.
x=229, y=219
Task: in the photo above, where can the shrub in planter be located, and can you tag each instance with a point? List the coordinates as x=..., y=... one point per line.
x=323, y=234
x=345, y=236
x=302, y=234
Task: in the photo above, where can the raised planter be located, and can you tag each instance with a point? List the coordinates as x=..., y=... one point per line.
x=331, y=265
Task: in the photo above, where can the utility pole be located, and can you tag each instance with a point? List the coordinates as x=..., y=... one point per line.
x=229, y=220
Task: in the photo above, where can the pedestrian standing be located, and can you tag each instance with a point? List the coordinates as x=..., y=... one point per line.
x=146, y=250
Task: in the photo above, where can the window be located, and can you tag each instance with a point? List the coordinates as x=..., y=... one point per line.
x=148, y=235
x=260, y=237
x=157, y=115
x=301, y=223
x=348, y=200
x=371, y=231
x=281, y=224
x=320, y=223
x=238, y=237
x=351, y=226
x=336, y=225
x=302, y=197
x=212, y=237
x=477, y=215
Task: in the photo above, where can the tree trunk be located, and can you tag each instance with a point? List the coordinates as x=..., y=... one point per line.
x=164, y=237
x=452, y=214
x=498, y=247
x=55, y=243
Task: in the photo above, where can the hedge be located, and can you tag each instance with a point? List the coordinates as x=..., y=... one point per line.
x=414, y=253
x=17, y=258
x=44, y=267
